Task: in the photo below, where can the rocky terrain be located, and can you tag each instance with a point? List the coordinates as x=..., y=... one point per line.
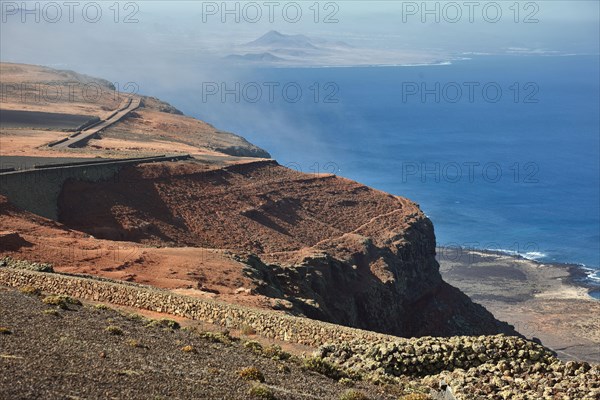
x=331, y=248
x=155, y=128
x=541, y=300
x=129, y=354
x=491, y=367
x=224, y=236
x=94, y=352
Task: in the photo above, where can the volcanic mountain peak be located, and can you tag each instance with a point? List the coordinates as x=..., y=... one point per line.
x=277, y=39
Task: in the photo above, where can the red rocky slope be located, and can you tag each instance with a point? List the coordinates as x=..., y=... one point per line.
x=327, y=247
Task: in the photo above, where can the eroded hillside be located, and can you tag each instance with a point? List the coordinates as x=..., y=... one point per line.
x=325, y=247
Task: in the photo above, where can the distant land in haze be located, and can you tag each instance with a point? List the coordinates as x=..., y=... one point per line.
x=254, y=57
x=276, y=48
x=276, y=39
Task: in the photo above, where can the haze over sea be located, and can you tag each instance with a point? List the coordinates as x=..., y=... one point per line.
x=516, y=171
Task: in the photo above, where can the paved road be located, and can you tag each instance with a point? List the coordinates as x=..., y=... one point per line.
x=126, y=107
x=88, y=162
x=38, y=119
x=19, y=163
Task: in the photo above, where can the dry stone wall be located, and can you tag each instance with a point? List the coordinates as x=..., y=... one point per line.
x=270, y=324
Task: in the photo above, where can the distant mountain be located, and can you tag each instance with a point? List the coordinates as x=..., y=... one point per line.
x=260, y=57
x=276, y=47
x=330, y=43
x=276, y=39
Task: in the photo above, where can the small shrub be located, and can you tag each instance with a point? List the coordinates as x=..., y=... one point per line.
x=275, y=352
x=60, y=301
x=101, y=306
x=189, y=328
x=188, y=349
x=51, y=311
x=136, y=343
x=252, y=374
x=248, y=330
x=261, y=392
x=254, y=346
x=169, y=323
x=415, y=396
x=71, y=300
x=114, y=330
x=346, y=381
x=353, y=395
x=218, y=337
x=5, y=331
x=323, y=367
x=141, y=318
x=164, y=323
x=284, y=368
x=30, y=290
x=55, y=301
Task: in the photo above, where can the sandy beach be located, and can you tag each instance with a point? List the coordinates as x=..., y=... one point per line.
x=541, y=300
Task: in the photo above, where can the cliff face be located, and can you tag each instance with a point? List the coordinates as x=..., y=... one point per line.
x=391, y=287
x=320, y=246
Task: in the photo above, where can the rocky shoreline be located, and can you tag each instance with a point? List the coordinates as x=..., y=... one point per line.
x=578, y=274
x=545, y=301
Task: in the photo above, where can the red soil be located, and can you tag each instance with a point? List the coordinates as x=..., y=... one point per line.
x=258, y=207
x=195, y=271
x=328, y=248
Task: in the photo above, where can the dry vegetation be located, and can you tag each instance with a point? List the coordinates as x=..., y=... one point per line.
x=129, y=356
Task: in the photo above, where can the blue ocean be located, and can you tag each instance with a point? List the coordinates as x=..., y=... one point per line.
x=501, y=152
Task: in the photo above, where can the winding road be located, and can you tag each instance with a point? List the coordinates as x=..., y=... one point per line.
x=126, y=107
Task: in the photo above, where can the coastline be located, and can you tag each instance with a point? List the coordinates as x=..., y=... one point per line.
x=579, y=274
x=550, y=302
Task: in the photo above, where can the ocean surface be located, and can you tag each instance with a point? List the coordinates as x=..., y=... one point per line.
x=501, y=152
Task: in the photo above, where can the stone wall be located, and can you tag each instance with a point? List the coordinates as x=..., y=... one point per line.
x=270, y=324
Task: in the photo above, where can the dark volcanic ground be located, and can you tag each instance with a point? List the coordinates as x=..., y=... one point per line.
x=540, y=300
x=72, y=356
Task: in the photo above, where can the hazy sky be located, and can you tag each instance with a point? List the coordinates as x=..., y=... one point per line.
x=114, y=41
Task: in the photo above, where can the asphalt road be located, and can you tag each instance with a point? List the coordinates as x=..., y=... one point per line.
x=127, y=106
x=24, y=162
x=38, y=119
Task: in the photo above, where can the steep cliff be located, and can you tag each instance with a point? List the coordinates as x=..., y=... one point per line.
x=318, y=245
